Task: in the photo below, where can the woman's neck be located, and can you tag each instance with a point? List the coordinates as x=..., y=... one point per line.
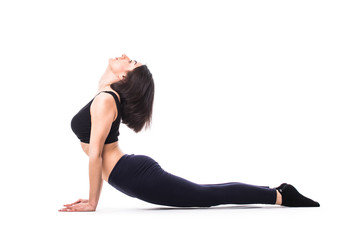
x=106, y=80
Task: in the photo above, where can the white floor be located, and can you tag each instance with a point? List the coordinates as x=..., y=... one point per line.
x=134, y=219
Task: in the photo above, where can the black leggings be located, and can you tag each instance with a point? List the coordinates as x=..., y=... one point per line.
x=142, y=177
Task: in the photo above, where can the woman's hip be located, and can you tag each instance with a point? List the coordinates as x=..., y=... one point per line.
x=132, y=171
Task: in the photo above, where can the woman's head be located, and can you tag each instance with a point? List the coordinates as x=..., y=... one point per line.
x=136, y=90
x=119, y=66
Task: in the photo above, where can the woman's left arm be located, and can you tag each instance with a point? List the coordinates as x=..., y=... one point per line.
x=101, y=121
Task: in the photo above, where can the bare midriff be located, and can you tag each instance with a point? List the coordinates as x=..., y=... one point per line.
x=110, y=156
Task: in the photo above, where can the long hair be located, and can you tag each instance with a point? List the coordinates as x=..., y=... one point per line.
x=136, y=93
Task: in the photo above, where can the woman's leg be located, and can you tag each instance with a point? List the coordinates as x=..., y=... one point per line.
x=168, y=189
x=141, y=177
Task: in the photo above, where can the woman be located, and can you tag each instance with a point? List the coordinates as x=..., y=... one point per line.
x=126, y=93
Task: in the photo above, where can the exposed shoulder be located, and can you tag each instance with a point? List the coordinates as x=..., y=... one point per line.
x=103, y=104
x=103, y=99
x=107, y=92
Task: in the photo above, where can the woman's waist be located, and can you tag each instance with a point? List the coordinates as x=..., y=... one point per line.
x=108, y=149
x=109, y=160
x=110, y=155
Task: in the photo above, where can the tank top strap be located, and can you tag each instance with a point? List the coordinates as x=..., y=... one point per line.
x=115, y=97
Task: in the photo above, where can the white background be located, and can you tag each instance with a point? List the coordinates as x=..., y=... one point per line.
x=260, y=92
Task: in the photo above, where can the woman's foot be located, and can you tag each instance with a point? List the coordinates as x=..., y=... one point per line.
x=281, y=186
x=292, y=198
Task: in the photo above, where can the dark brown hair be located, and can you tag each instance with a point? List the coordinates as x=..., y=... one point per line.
x=136, y=93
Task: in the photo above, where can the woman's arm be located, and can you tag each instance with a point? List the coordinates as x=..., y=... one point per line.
x=101, y=121
x=103, y=113
x=95, y=181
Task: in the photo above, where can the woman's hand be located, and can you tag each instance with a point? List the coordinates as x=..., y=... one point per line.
x=81, y=205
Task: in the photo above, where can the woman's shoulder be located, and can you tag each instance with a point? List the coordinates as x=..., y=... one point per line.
x=103, y=105
x=102, y=100
x=108, y=93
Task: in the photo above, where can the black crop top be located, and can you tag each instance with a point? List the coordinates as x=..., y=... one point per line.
x=81, y=123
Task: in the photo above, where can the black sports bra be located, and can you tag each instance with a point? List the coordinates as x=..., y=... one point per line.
x=81, y=123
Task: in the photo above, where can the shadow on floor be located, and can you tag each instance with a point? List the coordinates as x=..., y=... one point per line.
x=207, y=208
x=166, y=208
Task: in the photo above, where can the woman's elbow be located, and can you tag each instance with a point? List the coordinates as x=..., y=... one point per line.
x=95, y=157
x=95, y=154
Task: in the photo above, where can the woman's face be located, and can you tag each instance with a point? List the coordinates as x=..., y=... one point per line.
x=121, y=65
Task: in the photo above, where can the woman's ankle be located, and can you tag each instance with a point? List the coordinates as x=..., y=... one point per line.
x=278, y=198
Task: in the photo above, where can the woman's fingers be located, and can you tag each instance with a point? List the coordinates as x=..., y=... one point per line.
x=68, y=209
x=76, y=202
x=81, y=207
x=65, y=210
x=70, y=204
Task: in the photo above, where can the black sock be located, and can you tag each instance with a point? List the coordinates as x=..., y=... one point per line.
x=281, y=186
x=292, y=198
